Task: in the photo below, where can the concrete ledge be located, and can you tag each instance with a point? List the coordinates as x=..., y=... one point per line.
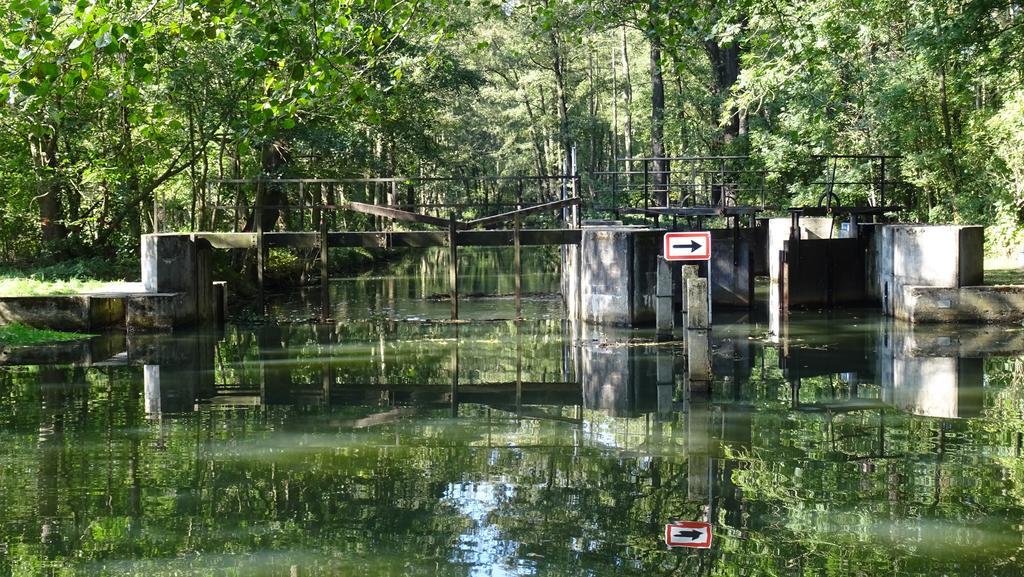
x=78, y=313
x=155, y=312
x=971, y=304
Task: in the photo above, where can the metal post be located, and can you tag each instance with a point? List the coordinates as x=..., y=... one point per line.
x=302, y=206
x=646, y=191
x=517, y=264
x=881, y=184
x=325, y=294
x=260, y=247
x=453, y=265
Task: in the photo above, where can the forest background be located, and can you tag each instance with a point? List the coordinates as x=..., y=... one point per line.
x=108, y=105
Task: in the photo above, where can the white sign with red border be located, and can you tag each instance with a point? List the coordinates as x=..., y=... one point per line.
x=688, y=245
x=693, y=534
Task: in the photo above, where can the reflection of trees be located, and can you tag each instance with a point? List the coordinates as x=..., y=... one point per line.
x=392, y=352
x=875, y=491
x=230, y=490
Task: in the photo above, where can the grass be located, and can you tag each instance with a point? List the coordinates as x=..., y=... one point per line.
x=18, y=335
x=60, y=278
x=19, y=286
x=1003, y=271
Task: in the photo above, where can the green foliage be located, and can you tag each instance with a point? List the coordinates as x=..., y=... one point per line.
x=112, y=107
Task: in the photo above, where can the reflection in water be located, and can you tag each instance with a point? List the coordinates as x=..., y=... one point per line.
x=853, y=446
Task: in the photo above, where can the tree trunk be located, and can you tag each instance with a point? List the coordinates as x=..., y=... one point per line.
x=725, y=63
x=44, y=156
x=659, y=166
x=627, y=93
x=615, y=114
x=564, y=137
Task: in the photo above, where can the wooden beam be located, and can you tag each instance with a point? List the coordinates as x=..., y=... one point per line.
x=395, y=213
x=506, y=216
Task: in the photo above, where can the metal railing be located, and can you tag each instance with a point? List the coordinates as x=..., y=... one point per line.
x=680, y=181
x=299, y=204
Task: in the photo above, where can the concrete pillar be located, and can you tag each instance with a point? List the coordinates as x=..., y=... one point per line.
x=937, y=256
x=698, y=330
x=618, y=278
x=665, y=315
x=181, y=264
x=689, y=271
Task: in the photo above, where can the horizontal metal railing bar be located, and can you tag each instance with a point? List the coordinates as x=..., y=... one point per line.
x=397, y=179
x=854, y=156
x=681, y=158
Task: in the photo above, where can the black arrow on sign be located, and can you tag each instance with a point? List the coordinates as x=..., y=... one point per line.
x=693, y=246
x=689, y=534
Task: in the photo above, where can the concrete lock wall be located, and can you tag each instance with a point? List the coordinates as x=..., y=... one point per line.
x=80, y=313
x=924, y=255
x=988, y=304
x=811, y=227
x=618, y=276
x=176, y=264
x=732, y=281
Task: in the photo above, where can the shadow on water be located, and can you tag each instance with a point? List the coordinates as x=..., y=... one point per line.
x=842, y=444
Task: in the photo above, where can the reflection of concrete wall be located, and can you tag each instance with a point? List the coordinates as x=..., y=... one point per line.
x=618, y=378
x=177, y=372
x=922, y=372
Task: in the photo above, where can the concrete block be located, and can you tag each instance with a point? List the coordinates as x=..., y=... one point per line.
x=697, y=309
x=939, y=256
x=618, y=278
x=183, y=264
x=815, y=227
x=76, y=313
x=157, y=312
x=975, y=304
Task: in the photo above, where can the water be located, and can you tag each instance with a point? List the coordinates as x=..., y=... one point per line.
x=397, y=444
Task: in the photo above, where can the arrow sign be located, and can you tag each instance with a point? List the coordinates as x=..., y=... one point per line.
x=688, y=245
x=693, y=534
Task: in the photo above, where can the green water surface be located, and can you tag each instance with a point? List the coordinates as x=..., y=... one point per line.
x=391, y=442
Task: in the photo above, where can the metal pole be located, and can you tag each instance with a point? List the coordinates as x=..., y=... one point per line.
x=453, y=265
x=517, y=264
x=259, y=244
x=325, y=295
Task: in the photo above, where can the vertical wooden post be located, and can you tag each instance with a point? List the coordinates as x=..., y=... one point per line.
x=517, y=264
x=453, y=264
x=260, y=247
